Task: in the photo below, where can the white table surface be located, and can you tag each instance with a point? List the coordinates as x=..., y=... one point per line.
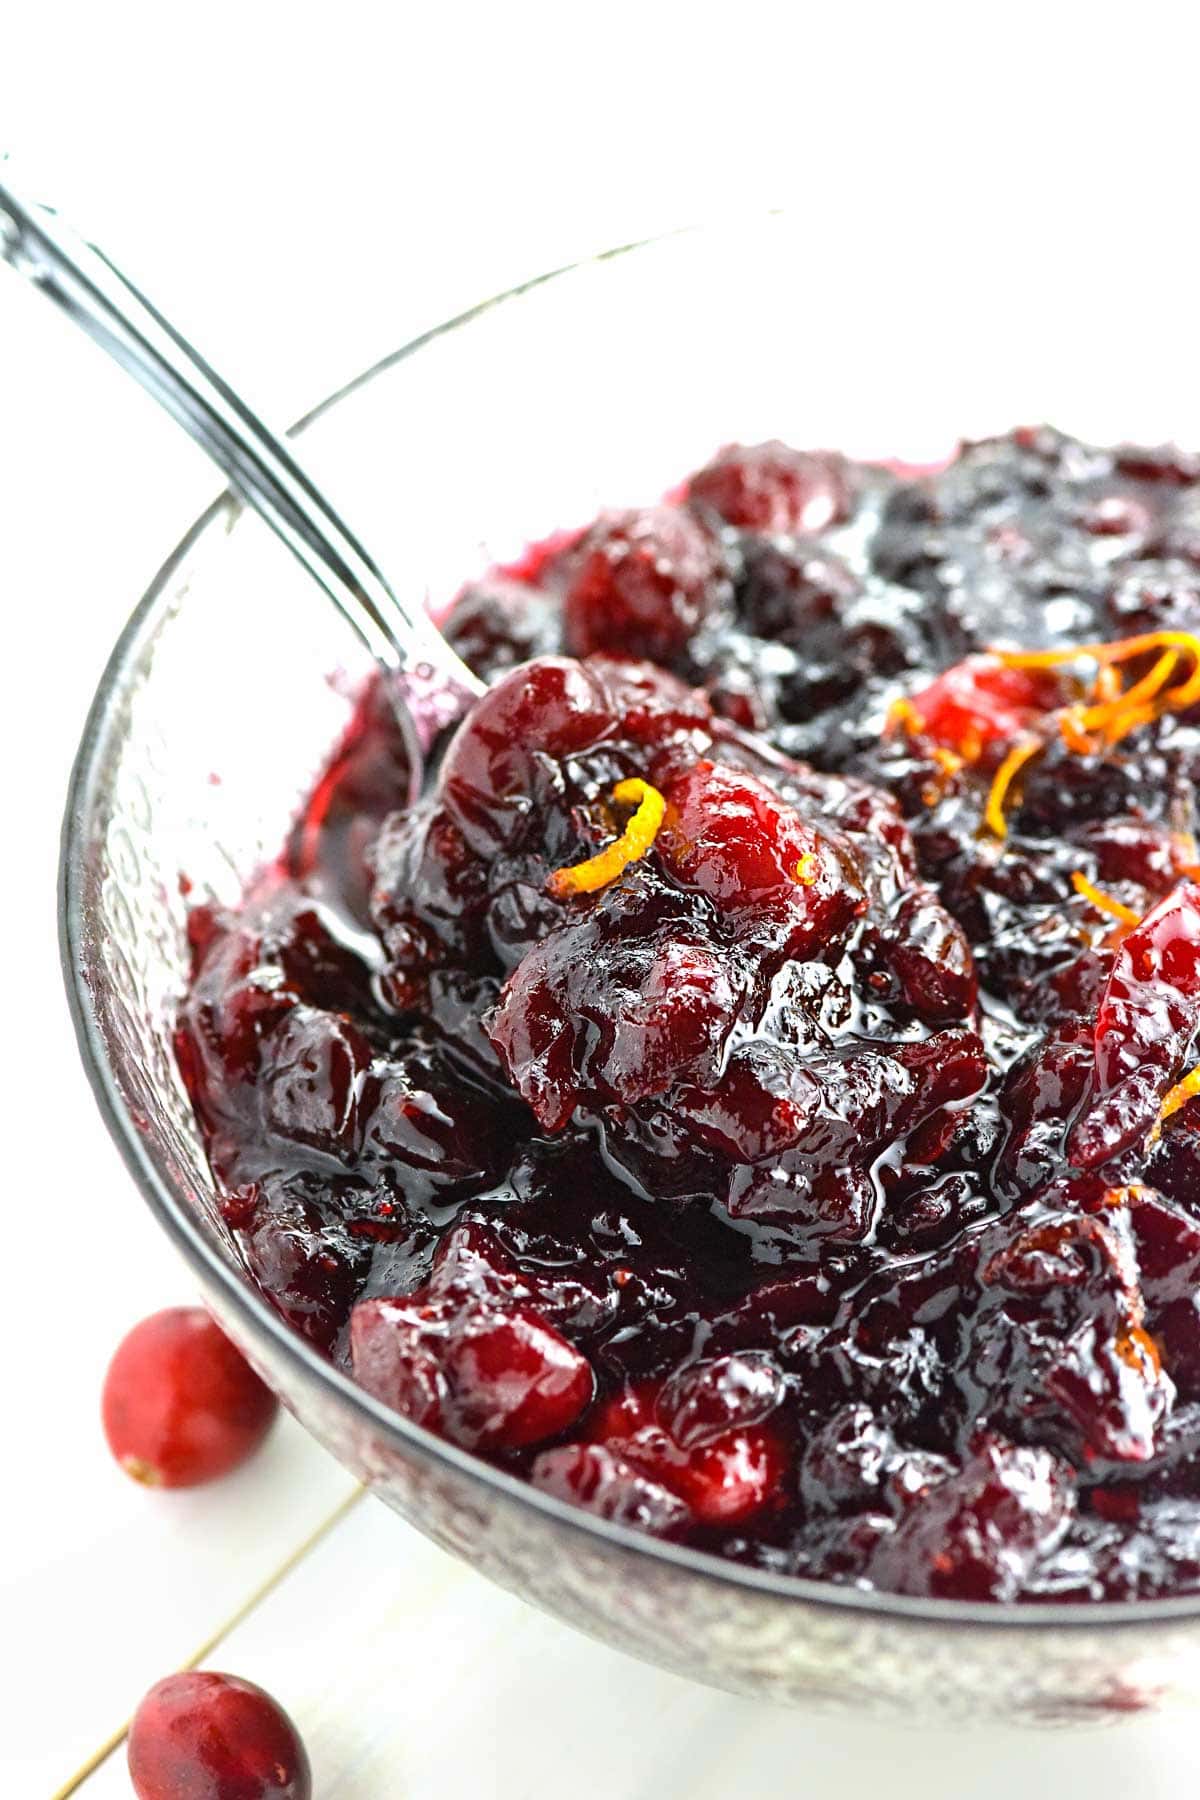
x=225, y=163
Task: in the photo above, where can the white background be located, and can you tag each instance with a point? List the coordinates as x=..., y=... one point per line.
x=303, y=191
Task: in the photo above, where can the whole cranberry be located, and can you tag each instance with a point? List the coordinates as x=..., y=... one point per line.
x=770, y=487
x=180, y=1404
x=203, y=1736
x=642, y=583
x=487, y=1376
x=980, y=700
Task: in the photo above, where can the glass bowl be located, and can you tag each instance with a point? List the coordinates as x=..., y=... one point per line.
x=600, y=384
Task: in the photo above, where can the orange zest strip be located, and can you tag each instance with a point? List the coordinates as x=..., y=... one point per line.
x=1103, y=902
x=1108, y=683
x=1117, y=717
x=1074, y=736
x=1118, y=651
x=808, y=868
x=903, y=713
x=1125, y=1196
x=1006, y=774
x=1117, y=714
x=1138, y=1350
x=1180, y=1094
x=599, y=870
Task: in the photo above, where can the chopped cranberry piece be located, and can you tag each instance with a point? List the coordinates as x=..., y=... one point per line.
x=724, y=1477
x=761, y=1105
x=1137, y=851
x=595, y=1478
x=1081, y=1366
x=1040, y=1094
x=854, y=1461
x=653, y=707
x=822, y=1186
x=428, y=898
x=642, y=584
x=490, y=1377
x=1149, y=1014
x=788, y=590
x=703, y=1401
x=306, y=1262
x=979, y=1532
x=929, y=954
x=614, y=1005
x=1158, y=962
x=237, y=1002
x=440, y=1143
x=768, y=487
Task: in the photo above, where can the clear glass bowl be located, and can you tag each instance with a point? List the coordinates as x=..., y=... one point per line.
x=601, y=384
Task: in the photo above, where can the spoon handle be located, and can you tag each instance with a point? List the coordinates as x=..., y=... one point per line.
x=261, y=468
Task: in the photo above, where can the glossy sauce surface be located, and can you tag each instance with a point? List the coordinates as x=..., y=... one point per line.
x=821, y=1189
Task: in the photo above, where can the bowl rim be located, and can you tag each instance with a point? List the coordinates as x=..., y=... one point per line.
x=258, y=1317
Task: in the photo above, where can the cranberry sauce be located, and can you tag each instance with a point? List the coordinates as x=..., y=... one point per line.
x=750, y=1094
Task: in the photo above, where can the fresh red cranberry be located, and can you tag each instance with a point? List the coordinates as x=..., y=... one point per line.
x=490, y=1377
x=203, y=1736
x=181, y=1405
x=642, y=584
x=769, y=487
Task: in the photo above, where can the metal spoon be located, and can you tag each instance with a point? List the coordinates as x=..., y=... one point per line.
x=431, y=686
